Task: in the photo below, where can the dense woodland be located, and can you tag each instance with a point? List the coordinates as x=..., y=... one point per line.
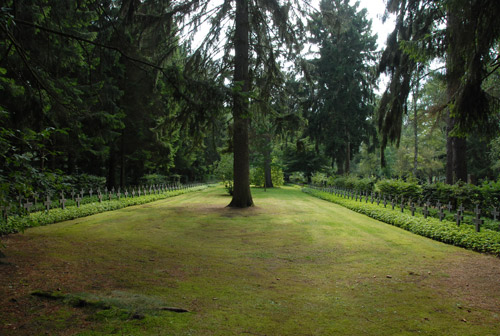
x=125, y=92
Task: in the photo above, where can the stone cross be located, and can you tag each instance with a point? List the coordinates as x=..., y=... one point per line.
x=478, y=221
x=495, y=213
x=425, y=210
x=62, y=201
x=438, y=205
x=99, y=195
x=371, y=198
x=459, y=217
x=35, y=196
x=47, y=203
x=139, y=192
x=91, y=192
x=106, y=189
x=461, y=208
x=118, y=194
x=385, y=202
x=125, y=193
x=366, y=198
x=28, y=205
x=441, y=214
x=73, y=194
x=402, y=206
x=449, y=206
x=20, y=199
x=110, y=195
x=412, y=208
x=133, y=192
x=82, y=193
x=78, y=199
x=393, y=203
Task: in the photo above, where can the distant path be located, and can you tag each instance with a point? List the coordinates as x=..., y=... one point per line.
x=292, y=265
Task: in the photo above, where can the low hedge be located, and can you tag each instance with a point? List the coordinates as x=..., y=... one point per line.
x=19, y=223
x=487, y=241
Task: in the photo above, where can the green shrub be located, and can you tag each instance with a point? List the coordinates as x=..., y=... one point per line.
x=257, y=176
x=319, y=179
x=298, y=177
x=445, y=231
x=19, y=223
x=409, y=189
x=153, y=179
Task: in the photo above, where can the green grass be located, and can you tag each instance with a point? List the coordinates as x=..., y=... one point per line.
x=292, y=265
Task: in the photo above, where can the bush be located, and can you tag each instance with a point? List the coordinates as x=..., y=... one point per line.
x=257, y=176
x=446, y=231
x=153, y=179
x=298, y=177
x=399, y=188
x=319, y=179
x=224, y=171
x=352, y=183
x=19, y=223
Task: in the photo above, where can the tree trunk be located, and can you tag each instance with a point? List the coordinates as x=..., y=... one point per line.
x=348, y=158
x=456, y=156
x=268, y=180
x=242, y=196
x=415, y=126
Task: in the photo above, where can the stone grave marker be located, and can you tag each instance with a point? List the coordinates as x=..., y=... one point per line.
x=27, y=206
x=99, y=195
x=495, y=213
x=47, y=203
x=78, y=199
x=412, y=208
x=402, y=205
x=450, y=207
x=441, y=214
x=91, y=192
x=425, y=210
x=478, y=221
x=393, y=203
x=459, y=217
x=35, y=197
x=110, y=196
x=73, y=193
x=62, y=201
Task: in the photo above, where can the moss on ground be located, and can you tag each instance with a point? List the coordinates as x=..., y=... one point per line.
x=292, y=265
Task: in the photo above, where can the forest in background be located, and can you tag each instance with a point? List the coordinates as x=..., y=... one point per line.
x=115, y=92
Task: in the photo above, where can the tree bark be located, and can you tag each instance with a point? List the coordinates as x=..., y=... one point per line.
x=456, y=156
x=242, y=196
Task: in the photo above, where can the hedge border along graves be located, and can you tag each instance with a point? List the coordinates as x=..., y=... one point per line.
x=486, y=241
x=19, y=223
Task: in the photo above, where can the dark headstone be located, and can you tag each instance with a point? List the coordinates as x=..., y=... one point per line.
x=27, y=206
x=393, y=203
x=425, y=210
x=62, y=201
x=47, y=203
x=412, y=208
x=441, y=214
x=495, y=213
x=459, y=217
x=385, y=202
x=78, y=199
x=450, y=207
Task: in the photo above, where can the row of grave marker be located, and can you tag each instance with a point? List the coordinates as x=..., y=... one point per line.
x=459, y=215
x=78, y=197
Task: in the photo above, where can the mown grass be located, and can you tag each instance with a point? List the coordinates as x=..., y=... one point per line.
x=292, y=265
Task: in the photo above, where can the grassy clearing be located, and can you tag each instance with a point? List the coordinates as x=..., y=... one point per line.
x=292, y=265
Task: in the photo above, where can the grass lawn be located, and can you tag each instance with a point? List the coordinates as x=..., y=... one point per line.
x=292, y=265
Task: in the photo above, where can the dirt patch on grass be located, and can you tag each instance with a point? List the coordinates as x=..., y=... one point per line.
x=473, y=279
